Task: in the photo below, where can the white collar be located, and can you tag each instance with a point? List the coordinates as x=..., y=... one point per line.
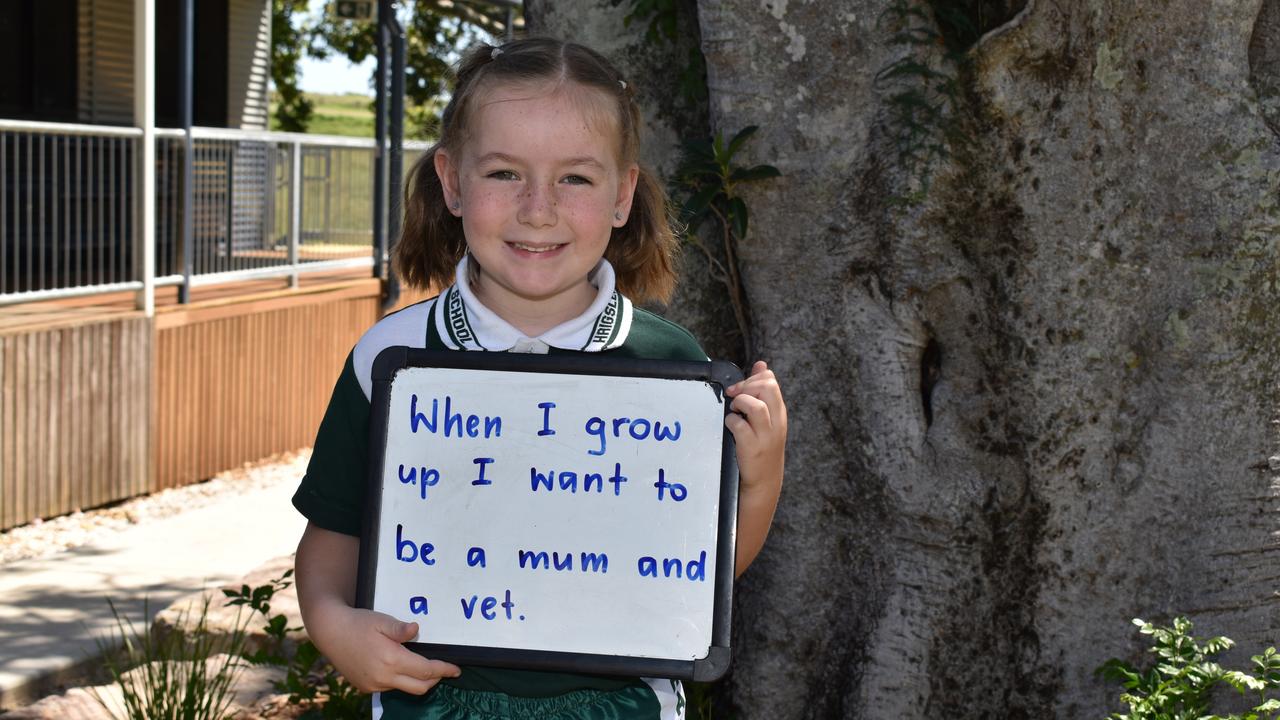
x=464, y=323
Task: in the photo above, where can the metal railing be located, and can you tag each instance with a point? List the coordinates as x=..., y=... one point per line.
x=264, y=204
x=66, y=209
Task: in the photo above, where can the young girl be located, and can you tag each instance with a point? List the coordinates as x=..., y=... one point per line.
x=532, y=204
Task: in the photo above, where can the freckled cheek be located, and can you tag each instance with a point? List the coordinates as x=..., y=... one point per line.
x=489, y=202
x=583, y=210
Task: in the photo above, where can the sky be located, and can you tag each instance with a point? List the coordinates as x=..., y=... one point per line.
x=335, y=75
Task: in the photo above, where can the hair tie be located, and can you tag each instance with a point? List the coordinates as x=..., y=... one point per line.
x=496, y=52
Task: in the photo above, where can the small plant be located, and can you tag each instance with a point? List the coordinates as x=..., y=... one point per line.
x=1181, y=684
x=698, y=696
x=923, y=89
x=175, y=675
x=708, y=183
x=308, y=677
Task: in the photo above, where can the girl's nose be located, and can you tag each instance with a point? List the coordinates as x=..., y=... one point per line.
x=537, y=206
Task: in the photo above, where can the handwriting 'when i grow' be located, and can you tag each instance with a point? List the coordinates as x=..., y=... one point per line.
x=455, y=423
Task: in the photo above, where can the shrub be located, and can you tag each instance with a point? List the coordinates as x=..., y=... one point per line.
x=309, y=678
x=1181, y=684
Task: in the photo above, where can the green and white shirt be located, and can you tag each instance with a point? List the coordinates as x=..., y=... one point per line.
x=331, y=494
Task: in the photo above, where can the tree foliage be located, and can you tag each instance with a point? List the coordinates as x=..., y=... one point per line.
x=435, y=31
x=293, y=109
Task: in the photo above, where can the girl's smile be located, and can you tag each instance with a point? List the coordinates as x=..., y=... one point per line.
x=539, y=187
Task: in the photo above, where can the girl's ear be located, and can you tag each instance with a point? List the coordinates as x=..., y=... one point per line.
x=447, y=171
x=626, y=193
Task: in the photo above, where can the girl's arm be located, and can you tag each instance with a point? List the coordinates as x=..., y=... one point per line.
x=363, y=645
x=759, y=427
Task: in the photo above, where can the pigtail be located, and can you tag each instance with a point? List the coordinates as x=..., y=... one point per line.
x=644, y=251
x=431, y=241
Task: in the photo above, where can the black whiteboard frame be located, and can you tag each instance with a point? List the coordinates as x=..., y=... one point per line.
x=720, y=374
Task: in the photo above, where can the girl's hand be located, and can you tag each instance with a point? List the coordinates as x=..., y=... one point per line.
x=759, y=427
x=369, y=654
x=363, y=645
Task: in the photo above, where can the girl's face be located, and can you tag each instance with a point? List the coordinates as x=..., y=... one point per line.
x=539, y=187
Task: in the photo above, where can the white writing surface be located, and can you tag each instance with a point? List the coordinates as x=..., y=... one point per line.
x=562, y=512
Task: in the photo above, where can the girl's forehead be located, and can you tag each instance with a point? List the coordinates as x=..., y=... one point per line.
x=564, y=109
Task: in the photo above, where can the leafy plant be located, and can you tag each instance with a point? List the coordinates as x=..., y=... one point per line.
x=1181, y=684
x=661, y=15
x=698, y=698
x=923, y=86
x=309, y=678
x=663, y=20
x=175, y=675
x=708, y=183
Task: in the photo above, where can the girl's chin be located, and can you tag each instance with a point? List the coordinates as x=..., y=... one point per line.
x=535, y=290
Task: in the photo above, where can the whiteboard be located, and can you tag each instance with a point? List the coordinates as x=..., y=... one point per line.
x=555, y=512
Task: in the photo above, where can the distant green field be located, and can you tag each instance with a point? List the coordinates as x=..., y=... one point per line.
x=350, y=115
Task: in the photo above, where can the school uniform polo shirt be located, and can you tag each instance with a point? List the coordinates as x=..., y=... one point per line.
x=332, y=491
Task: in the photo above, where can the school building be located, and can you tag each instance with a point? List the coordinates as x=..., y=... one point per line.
x=151, y=337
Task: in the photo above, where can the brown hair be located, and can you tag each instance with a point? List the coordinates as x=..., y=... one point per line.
x=642, y=251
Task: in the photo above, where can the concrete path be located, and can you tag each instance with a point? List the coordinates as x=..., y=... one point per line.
x=52, y=609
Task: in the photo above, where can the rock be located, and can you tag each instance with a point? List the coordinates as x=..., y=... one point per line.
x=254, y=692
x=80, y=703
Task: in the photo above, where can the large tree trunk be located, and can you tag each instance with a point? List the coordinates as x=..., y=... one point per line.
x=1034, y=404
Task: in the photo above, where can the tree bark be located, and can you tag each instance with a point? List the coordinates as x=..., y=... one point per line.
x=1034, y=404
x=1037, y=404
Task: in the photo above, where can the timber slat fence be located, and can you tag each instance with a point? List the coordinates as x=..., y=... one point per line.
x=235, y=384
x=70, y=403
x=101, y=411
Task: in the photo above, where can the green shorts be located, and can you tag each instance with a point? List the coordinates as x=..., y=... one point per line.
x=637, y=702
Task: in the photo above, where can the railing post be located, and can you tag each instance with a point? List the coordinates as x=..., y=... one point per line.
x=187, y=70
x=395, y=162
x=144, y=184
x=295, y=210
x=230, y=217
x=386, y=12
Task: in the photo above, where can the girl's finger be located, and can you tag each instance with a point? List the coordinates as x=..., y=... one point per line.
x=425, y=668
x=765, y=387
x=742, y=431
x=413, y=685
x=755, y=409
x=440, y=668
x=737, y=387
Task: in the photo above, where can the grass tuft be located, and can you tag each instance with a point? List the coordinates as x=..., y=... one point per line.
x=184, y=674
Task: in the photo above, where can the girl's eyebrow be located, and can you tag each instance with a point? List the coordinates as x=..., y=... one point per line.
x=573, y=161
x=585, y=160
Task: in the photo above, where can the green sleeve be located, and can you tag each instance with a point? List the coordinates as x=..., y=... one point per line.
x=332, y=491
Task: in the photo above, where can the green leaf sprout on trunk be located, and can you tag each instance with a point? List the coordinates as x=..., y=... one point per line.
x=707, y=185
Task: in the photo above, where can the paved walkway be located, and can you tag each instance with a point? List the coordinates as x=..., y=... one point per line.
x=52, y=609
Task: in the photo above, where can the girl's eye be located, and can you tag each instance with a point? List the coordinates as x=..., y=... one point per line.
x=502, y=175
x=577, y=180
